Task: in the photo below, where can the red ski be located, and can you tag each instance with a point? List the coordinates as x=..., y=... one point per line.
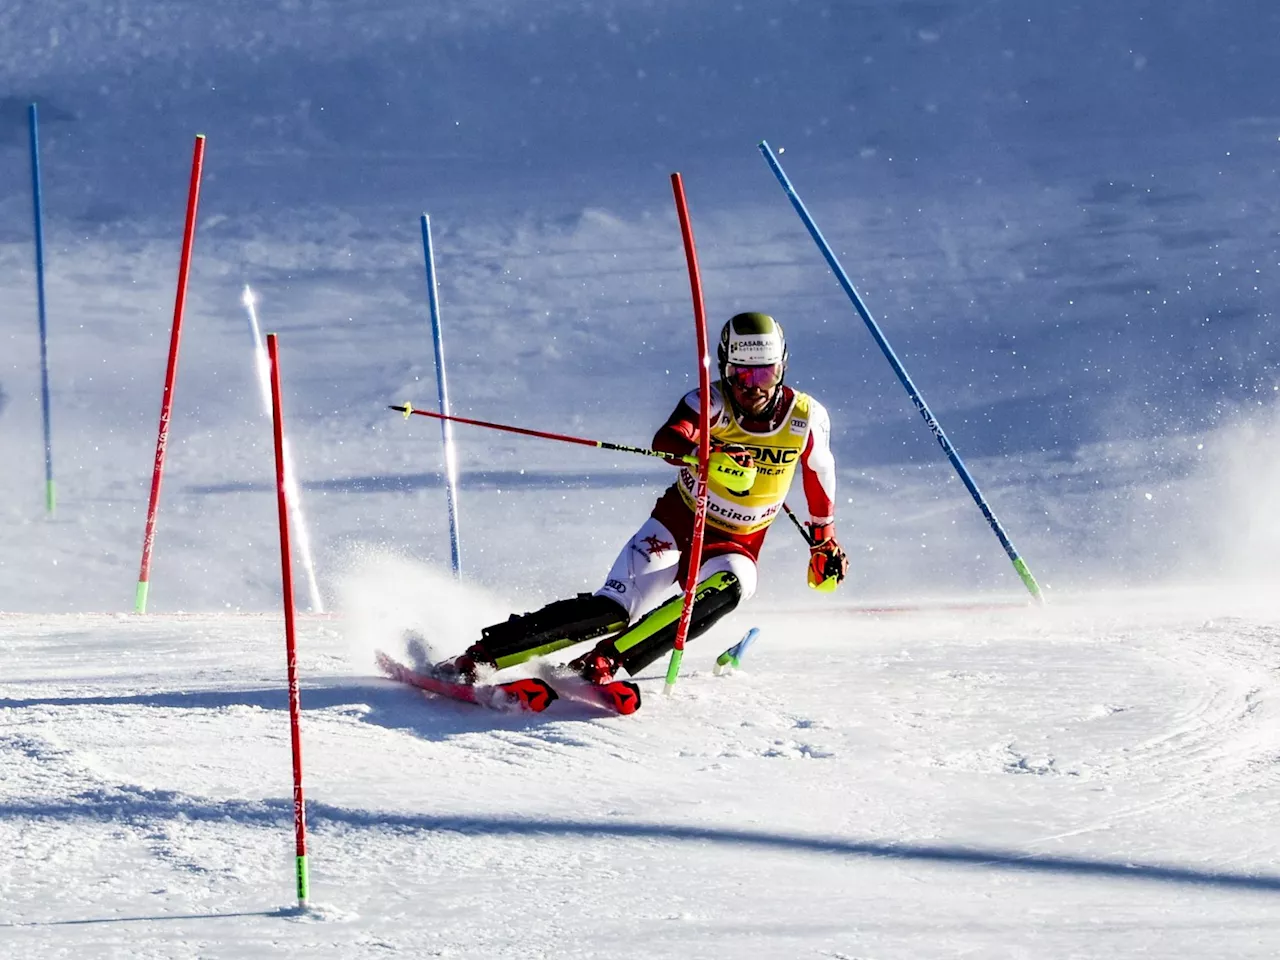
x=528, y=694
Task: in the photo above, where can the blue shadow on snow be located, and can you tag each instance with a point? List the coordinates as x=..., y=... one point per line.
x=133, y=803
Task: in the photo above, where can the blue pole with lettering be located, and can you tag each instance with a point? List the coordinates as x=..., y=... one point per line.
x=1018, y=563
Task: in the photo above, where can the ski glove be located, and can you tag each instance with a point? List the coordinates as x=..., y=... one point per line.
x=828, y=564
x=732, y=466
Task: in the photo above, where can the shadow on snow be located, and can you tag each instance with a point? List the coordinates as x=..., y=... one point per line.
x=374, y=700
x=133, y=804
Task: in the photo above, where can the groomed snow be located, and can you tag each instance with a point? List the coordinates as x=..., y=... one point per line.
x=1092, y=779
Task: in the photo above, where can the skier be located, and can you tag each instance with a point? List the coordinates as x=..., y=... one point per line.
x=760, y=430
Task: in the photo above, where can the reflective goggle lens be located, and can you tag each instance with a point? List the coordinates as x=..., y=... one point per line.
x=747, y=377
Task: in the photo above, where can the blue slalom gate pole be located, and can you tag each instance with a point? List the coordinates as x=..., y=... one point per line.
x=442, y=389
x=37, y=211
x=1018, y=563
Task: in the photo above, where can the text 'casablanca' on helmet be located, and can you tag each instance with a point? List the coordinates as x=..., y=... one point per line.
x=751, y=340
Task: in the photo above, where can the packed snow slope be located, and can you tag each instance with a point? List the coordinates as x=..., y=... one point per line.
x=1093, y=779
x=1064, y=218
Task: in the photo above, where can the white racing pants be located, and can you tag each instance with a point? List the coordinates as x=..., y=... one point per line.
x=644, y=575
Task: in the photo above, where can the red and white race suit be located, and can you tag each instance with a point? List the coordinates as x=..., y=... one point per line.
x=797, y=432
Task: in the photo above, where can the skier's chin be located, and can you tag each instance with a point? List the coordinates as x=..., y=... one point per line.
x=754, y=406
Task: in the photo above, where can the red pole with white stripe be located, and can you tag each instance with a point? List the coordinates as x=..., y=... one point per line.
x=291, y=649
x=704, y=436
x=171, y=373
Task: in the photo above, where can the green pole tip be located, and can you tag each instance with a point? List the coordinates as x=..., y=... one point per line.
x=1029, y=581
x=140, y=598
x=673, y=668
x=304, y=882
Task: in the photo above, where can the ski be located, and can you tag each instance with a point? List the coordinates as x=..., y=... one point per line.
x=528, y=694
x=620, y=696
x=532, y=694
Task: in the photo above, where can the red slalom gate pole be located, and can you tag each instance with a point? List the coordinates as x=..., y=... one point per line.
x=704, y=436
x=166, y=404
x=286, y=570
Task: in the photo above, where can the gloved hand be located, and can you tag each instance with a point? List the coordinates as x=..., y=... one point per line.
x=732, y=466
x=828, y=564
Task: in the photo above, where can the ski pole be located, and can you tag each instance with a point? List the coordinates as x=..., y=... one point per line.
x=799, y=526
x=408, y=408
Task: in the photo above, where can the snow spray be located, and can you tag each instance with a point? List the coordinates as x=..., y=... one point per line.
x=263, y=366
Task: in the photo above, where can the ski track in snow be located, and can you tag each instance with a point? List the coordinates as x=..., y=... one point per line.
x=860, y=760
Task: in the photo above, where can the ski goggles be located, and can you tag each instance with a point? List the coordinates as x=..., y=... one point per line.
x=744, y=378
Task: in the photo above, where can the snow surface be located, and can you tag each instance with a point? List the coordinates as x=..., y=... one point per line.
x=1066, y=221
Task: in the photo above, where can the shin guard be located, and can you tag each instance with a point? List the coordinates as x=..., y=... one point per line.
x=655, y=633
x=557, y=625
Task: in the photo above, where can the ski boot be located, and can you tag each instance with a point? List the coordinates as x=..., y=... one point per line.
x=466, y=667
x=598, y=665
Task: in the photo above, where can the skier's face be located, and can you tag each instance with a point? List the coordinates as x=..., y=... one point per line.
x=753, y=387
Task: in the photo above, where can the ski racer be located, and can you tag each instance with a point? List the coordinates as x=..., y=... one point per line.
x=761, y=430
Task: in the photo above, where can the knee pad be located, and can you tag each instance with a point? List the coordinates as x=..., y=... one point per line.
x=655, y=633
